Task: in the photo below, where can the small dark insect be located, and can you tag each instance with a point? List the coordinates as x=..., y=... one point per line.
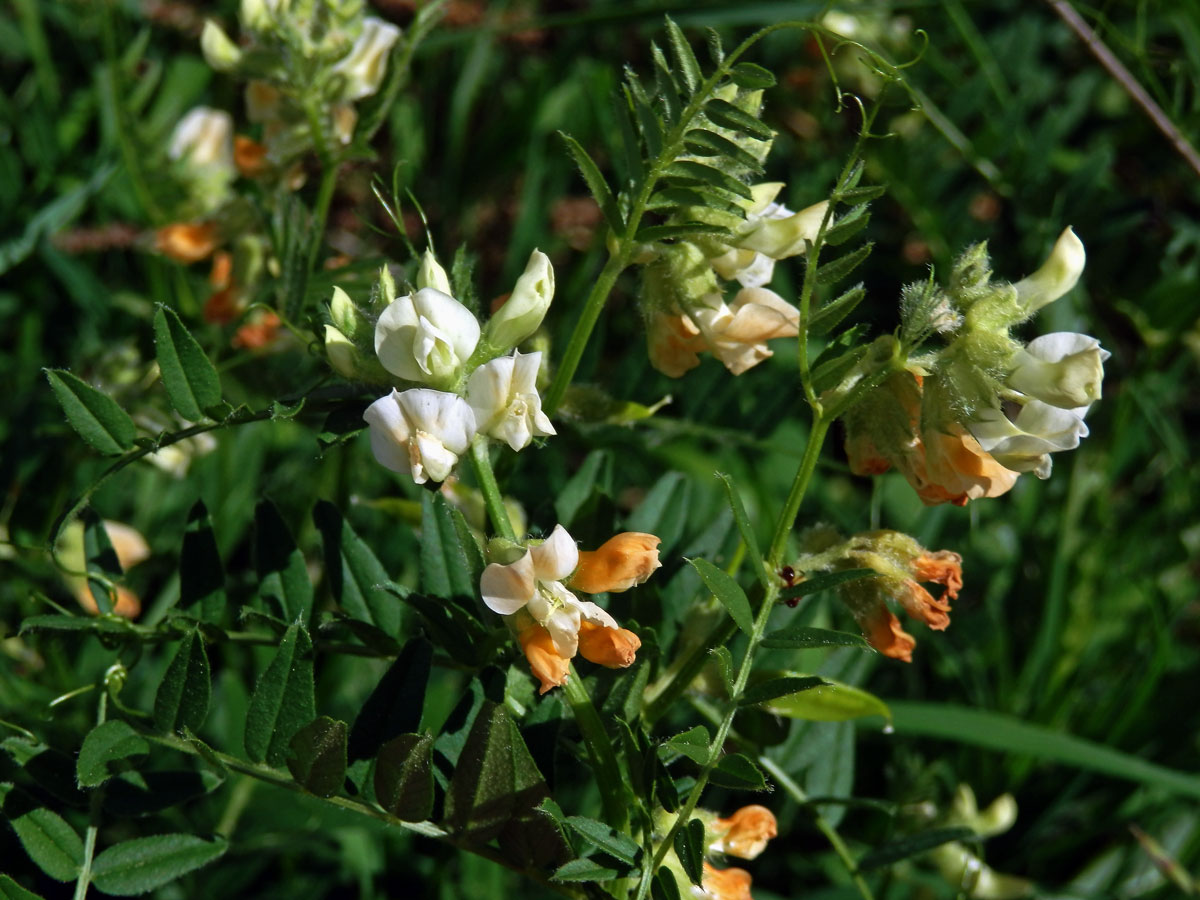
x=788, y=574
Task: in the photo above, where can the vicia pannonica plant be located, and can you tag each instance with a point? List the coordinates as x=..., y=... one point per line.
x=530, y=621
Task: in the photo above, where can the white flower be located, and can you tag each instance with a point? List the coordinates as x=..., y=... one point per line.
x=1057, y=275
x=420, y=431
x=203, y=138
x=737, y=333
x=1024, y=444
x=366, y=63
x=534, y=583
x=425, y=336
x=1063, y=369
x=503, y=394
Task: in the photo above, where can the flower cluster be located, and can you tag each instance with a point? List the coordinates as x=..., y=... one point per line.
x=901, y=564
x=964, y=421
x=468, y=383
x=535, y=595
x=744, y=834
x=305, y=62
x=683, y=299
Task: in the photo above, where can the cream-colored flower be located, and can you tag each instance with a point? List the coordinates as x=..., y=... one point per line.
x=770, y=232
x=430, y=274
x=503, y=394
x=426, y=337
x=737, y=333
x=1057, y=275
x=203, y=138
x=1063, y=369
x=366, y=63
x=420, y=431
x=1024, y=443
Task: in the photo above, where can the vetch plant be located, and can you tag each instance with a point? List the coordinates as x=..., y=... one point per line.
x=434, y=657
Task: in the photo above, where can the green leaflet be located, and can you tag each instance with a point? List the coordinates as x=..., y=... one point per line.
x=317, y=758
x=94, y=415
x=190, y=378
x=142, y=864
x=183, y=695
x=283, y=700
x=108, y=742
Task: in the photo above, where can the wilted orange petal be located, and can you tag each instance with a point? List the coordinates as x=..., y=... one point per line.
x=942, y=567
x=615, y=648
x=921, y=605
x=884, y=633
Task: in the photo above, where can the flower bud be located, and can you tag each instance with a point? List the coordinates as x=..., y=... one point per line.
x=257, y=15
x=345, y=315
x=383, y=294
x=340, y=351
x=1063, y=369
x=219, y=51
x=364, y=66
x=525, y=308
x=186, y=243
x=426, y=337
x=785, y=234
x=745, y=833
x=620, y=563
x=615, y=648
x=547, y=666
x=432, y=275
x=1057, y=275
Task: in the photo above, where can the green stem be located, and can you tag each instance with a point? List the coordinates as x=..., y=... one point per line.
x=492, y=497
x=95, y=803
x=321, y=211
x=604, y=758
x=583, y=328
x=823, y=825
x=791, y=506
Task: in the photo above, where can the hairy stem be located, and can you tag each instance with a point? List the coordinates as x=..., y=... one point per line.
x=604, y=758
x=791, y=506
x=95, y=803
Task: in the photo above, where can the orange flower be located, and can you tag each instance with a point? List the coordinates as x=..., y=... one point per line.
x=615, y=648
x=260, y=333
x=943, y=567
x=883, y=631
x=127, y=606
x=249, y=156
x=187, y=243
x=547, y=666
x=726, y=884
x=951, y=467
x=620, y=563
x=745, y=833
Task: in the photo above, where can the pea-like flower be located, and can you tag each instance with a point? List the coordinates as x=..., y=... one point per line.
x=744, y=834
x=523, y=311
x=1024, y=443
x=723, y=884
x=203, y=138
x=420, y=431
x=770, y=232
x=623, y=561
x=503, y=394
x=366, y=63
x=551, y=623
x=426, y=337
x=1057, y=275
x=1063, y=369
